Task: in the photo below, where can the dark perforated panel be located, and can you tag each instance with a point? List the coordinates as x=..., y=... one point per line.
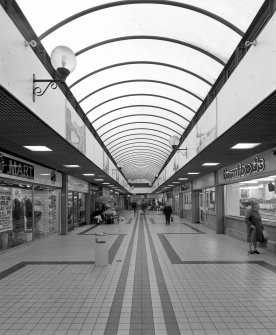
x=19, y=127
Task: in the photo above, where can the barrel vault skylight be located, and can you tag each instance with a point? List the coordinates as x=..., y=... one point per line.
x=143, y=67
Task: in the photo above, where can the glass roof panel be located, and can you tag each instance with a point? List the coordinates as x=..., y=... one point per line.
x=141, y=99
x=143, y=67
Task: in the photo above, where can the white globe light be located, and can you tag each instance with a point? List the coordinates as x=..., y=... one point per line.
x=174, y=141
x=63, y=57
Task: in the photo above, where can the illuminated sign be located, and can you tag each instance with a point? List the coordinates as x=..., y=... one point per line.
x=16, y=168
x=243, y=170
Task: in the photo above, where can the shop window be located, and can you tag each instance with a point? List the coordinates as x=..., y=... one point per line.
x=210, y=200
x=239, y=197
x=46, y=211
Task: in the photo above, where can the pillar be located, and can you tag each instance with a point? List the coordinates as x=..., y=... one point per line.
x=219, y=206
x=64, y=206
x=88, y=206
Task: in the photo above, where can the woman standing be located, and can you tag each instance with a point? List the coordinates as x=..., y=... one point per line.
x=254, y=228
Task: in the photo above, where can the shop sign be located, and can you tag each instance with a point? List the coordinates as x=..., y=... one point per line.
x=243, y=170
x=16, y=168
x=185, y=187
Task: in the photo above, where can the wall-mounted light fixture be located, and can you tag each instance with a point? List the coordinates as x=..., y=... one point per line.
x=64, y=62
x=174, y=143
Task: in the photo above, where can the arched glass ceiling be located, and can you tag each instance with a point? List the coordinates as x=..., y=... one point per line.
x=144, y=67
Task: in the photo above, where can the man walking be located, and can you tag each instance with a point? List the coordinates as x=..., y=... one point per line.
x=167, y=211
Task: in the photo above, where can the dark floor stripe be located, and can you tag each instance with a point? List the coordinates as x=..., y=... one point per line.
x=111, y=327
x=86, y=230
x=169, y=316
x=115, y=247
x=195, y=229
x=141, y=310
x=173, y=257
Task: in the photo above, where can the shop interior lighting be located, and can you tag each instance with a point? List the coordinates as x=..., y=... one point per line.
x=245, y=145
x=64, y=62
x=37, y=148
x=71, y=166
x=210, y=164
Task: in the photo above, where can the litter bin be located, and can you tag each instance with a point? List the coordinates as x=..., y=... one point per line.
x=101, y=252
x=5, y=240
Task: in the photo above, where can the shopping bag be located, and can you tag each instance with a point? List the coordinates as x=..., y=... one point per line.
x=171, y=218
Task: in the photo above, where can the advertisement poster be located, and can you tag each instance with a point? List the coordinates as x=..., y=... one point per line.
x=75, y=132
x=5, y=210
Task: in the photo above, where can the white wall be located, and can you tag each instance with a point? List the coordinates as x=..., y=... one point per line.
x=17, y=66
x=252, y=81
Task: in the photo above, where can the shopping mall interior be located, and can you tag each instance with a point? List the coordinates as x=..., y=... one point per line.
x=137, y=167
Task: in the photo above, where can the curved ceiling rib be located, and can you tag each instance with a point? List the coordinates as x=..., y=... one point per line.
x=148, y=129
x=141, y=62
x=122, y=143
x=145, y=122
x=138, y=151
x=134, y=106
x=132, y=135
x=139, y=95
x=156, y=149
x=138, y=2
x=140, y=157
x=150, y=37
x=141, y=80
x=146, y=147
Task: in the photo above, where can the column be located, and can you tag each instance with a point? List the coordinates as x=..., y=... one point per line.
x=64, y=205
x=219, y=206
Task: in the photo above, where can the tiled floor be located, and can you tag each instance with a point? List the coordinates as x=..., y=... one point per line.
x=178, y=279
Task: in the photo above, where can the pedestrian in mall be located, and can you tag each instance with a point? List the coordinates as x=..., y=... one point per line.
x=167, y=211
x=254, y=228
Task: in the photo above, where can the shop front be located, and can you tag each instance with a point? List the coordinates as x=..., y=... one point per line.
x=175, y=200
x=204, y=201
x=78, y=190
x=29, y=201
x=244, y=182
x=185, y=201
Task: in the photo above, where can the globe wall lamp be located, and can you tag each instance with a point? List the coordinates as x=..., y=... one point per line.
x=174, y=143
x=64, y=62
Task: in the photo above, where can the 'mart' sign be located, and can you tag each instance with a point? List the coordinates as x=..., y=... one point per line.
x=243, y=170
x=16, y=168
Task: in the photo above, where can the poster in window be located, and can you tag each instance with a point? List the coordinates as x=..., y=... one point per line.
x=5, y=210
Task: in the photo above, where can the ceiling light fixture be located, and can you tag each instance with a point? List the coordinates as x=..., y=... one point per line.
x=99, y=179
x=182, y=178
x=210, y=164
x=193, y=173
x=88, y=174
x=71, y=166
x=64, y=62
x=245, y=145
x=37, y=148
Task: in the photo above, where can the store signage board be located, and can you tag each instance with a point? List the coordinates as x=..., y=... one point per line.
x=243, y=170
x=13, y=167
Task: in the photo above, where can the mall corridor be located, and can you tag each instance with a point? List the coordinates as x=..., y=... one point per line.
x=177, y=279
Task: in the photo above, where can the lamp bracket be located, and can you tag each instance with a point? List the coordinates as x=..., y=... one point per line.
x=37, y=91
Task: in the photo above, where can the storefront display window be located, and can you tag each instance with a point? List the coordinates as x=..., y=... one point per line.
x=46, y=211
x=76, y=210
x=239, y=197
x=210, y=200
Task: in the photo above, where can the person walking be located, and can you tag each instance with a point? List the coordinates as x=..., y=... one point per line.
x=167, y=211
x=254, y=228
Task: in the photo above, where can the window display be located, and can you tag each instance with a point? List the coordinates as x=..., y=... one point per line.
x=210, y=200
x=239, y=197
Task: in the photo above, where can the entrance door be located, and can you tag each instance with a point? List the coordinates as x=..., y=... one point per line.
x=201, y=208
